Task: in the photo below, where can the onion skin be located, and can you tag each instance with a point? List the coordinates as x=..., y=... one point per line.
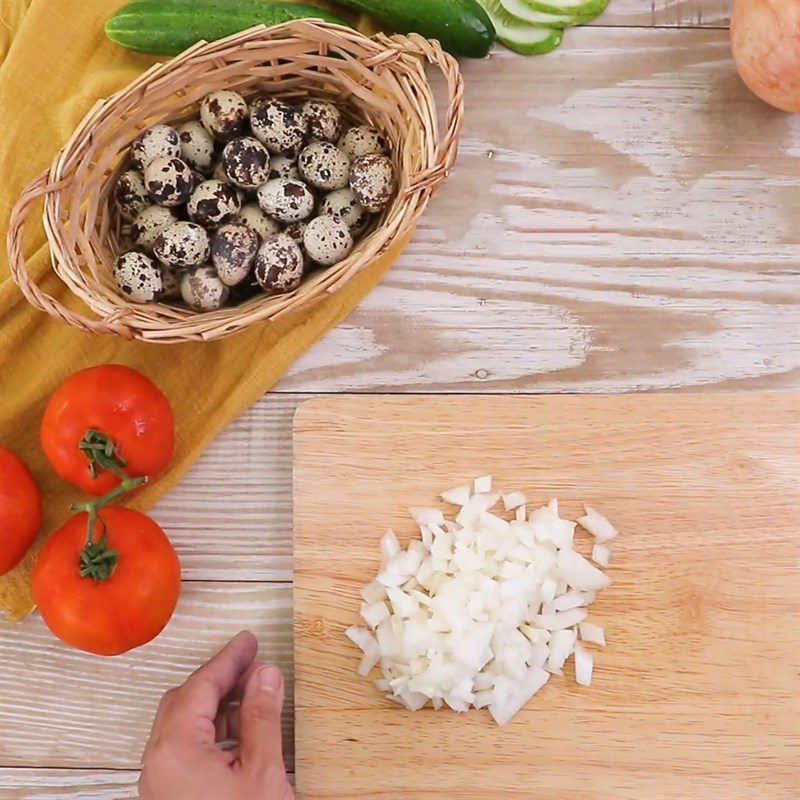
x=765, y=41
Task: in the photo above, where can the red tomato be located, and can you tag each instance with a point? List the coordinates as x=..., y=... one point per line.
x=114, y=404
x=20, y=510
x=128, y=608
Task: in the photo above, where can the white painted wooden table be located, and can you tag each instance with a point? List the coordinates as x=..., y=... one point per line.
x=624, y=216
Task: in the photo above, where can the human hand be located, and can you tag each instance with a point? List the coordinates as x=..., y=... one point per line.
x=231, y=697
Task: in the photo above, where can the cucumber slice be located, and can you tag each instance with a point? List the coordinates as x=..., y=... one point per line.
x=519, y=36
x=584, y=10
x=523, y=11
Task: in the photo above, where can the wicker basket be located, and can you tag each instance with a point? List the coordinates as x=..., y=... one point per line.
x=379, y=80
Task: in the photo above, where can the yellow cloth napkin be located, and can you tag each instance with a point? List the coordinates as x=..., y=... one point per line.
x=57, y=63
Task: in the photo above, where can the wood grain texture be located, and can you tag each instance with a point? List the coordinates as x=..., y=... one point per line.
x=54, y=784
x=696, y=695
x=64, y=708
x=666, y=13
x=624, y=215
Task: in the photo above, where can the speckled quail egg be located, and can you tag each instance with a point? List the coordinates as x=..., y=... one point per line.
x=202, y=289
x=168, y=181
x=197, y=145
x=182, y=245
x=213, y=202
x=342, y=204
x=138, y=277
x=149, y=224
x=324, y=166
x=245, y=162
x=324, y=120
x=279, y=264
x=327, y=240
x=372, y=181
x=233, y=249
x=224, y=115
x=130, y=194
x=278, y=125
x=362, y=141
x=254, y=217
x=170, y=284
x=286, y=199
x=160, y=141
x=283, y=165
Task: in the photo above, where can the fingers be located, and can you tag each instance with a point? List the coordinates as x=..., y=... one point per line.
x=260, y=744
x=192, y=708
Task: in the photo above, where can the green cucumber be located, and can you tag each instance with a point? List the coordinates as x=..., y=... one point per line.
x=168, y=27
x=519, y=36
x=462, y=27
x=584, y=10
x=526, y=13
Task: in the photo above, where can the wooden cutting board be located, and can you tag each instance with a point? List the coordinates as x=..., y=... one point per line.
x=696, y=695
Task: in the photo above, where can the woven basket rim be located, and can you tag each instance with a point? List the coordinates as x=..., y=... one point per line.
x=383, y=81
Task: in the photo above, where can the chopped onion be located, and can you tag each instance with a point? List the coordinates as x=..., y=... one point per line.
x=594, y=522
x=592, y=633
x=601, y=555
x=583, y=666
x=483, y=484
x=481, y=610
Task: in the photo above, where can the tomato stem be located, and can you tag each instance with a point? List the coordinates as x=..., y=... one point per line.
x=96, y=560
x=101, y=452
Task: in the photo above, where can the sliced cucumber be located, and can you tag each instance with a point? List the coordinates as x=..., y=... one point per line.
x=522, y=11
x=519, y=36
x=584, y=10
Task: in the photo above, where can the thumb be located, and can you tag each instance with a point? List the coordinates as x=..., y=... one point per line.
x=260, y=744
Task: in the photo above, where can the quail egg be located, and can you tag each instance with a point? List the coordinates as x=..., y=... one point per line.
x=168, y=180
x=224, y=115
x=138, y=277
x=278, y=125
x=324, y=166
x=342, y=204
x=324, y=120
x=372, y=181
x=182, y=245
x=283, y=165
x=286, y=199
x=255, y=219
x=245, y=162
x=362, y=141
x=170, y=284
x=149, y=224
x=213, y=202
x=160, y=141
x=279, y=264
x=197, y=146
x=203, y=290
x=130, y=194
x=296, y=231
x=233, y=249
x=327, y=240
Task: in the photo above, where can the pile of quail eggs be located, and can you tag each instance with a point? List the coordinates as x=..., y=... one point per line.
x=246, y=199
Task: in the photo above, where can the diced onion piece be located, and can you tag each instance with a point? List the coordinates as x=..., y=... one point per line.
x=374, y=613
x=483, y=484
x=561, y=647
x=568, y=600
x=594, y=522
x=373, y=592
x=583, y=665
x=513, y=500
x=457, y=496
x=559, y=620
x=579, y=573
x=427, y=516
x=592, y=633
x=360, y=637
x=601, y=555
x=389, y=545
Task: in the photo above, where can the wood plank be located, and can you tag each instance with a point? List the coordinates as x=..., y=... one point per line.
x=667, y=13
x=624, y=216
x=20, y=783
x=64, y=708
x=696, y=694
